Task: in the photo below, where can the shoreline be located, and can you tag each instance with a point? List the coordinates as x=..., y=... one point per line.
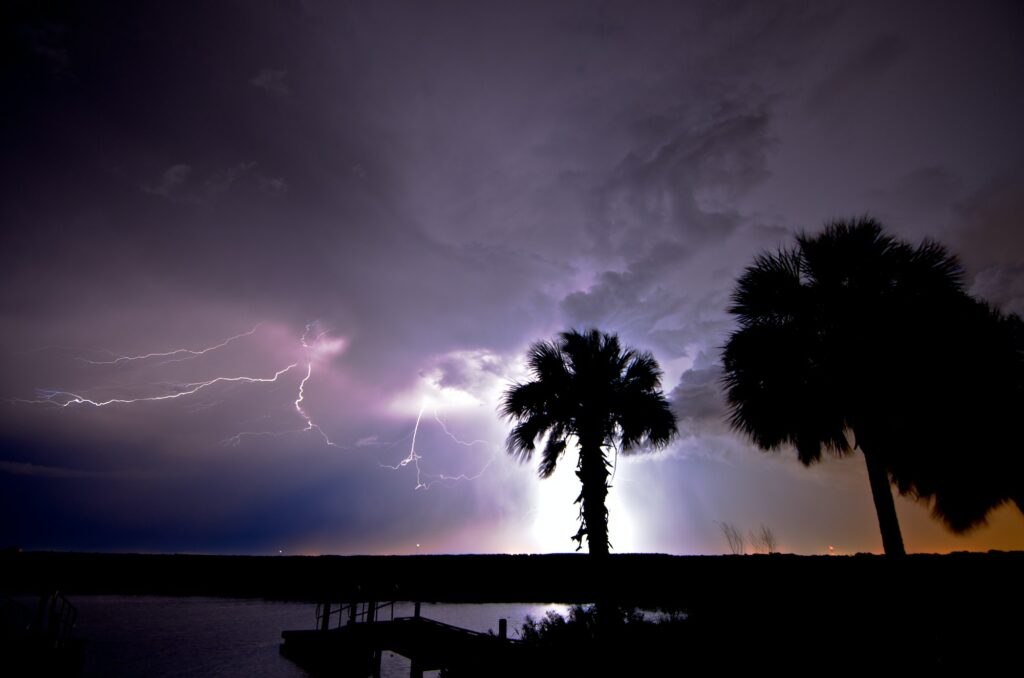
x=682, y=581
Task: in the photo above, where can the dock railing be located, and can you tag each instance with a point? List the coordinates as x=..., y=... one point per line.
x=55, y=618
x=353, y=613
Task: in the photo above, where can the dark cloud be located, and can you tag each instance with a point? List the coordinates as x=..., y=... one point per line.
x=272, y=81
x=856, y=77
x=170, y=181
x=684, y=188
x=699, y=400
x=1002, y=286
x=178, y=183
x=989, y=222
x=662, y=204
x=621, y=299
x=923, y=202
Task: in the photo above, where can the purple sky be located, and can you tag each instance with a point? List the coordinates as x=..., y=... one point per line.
x=397, y=199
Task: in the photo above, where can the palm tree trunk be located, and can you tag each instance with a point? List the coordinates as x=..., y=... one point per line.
x=593, y=474
x=881, y=492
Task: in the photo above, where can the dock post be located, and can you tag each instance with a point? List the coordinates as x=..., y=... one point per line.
x=415, y=671
x=416, y=610
x=503, y=628
x=325, y=621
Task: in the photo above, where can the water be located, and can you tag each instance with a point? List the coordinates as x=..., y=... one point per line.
x=132, y=636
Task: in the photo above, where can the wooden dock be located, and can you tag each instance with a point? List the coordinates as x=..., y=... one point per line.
x=354, y=648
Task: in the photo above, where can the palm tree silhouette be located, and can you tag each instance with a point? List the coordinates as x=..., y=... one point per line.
x=829, y=351
x=965, y=395
x=586, y=386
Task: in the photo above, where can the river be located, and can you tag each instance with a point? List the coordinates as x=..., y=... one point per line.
x=143, y=636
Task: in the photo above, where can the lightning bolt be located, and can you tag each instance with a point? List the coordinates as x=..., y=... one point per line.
x=309, y=347
x=186, y=353
x=313, y=347
x=316, y=340
x=65, y=349
x=464, y=443
x=414, y=457
x=310, y=426
x=66, y=398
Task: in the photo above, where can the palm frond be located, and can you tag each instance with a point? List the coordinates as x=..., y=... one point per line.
x=521, y=442
x=548, y=364
x=553, y=451
x=646, y=422
x=769, y=291
x=641, y=372
x=525, y=400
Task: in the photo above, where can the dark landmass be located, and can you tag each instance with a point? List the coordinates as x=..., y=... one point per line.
x=960, y=610
x=635, y=579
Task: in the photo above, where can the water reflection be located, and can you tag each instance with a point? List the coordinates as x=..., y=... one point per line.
x=163, y=636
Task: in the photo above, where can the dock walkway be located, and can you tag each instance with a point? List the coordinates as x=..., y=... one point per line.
x=354, y=648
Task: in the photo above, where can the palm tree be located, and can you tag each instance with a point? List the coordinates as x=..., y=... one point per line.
x=830, y=352
x=587, y=387
x=966, y=455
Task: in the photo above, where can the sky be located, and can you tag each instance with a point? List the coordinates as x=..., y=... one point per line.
x=268, y=266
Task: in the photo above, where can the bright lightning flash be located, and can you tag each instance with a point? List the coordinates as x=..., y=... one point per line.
x=317, y=346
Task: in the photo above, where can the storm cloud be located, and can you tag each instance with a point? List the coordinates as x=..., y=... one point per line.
x=396, y=199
